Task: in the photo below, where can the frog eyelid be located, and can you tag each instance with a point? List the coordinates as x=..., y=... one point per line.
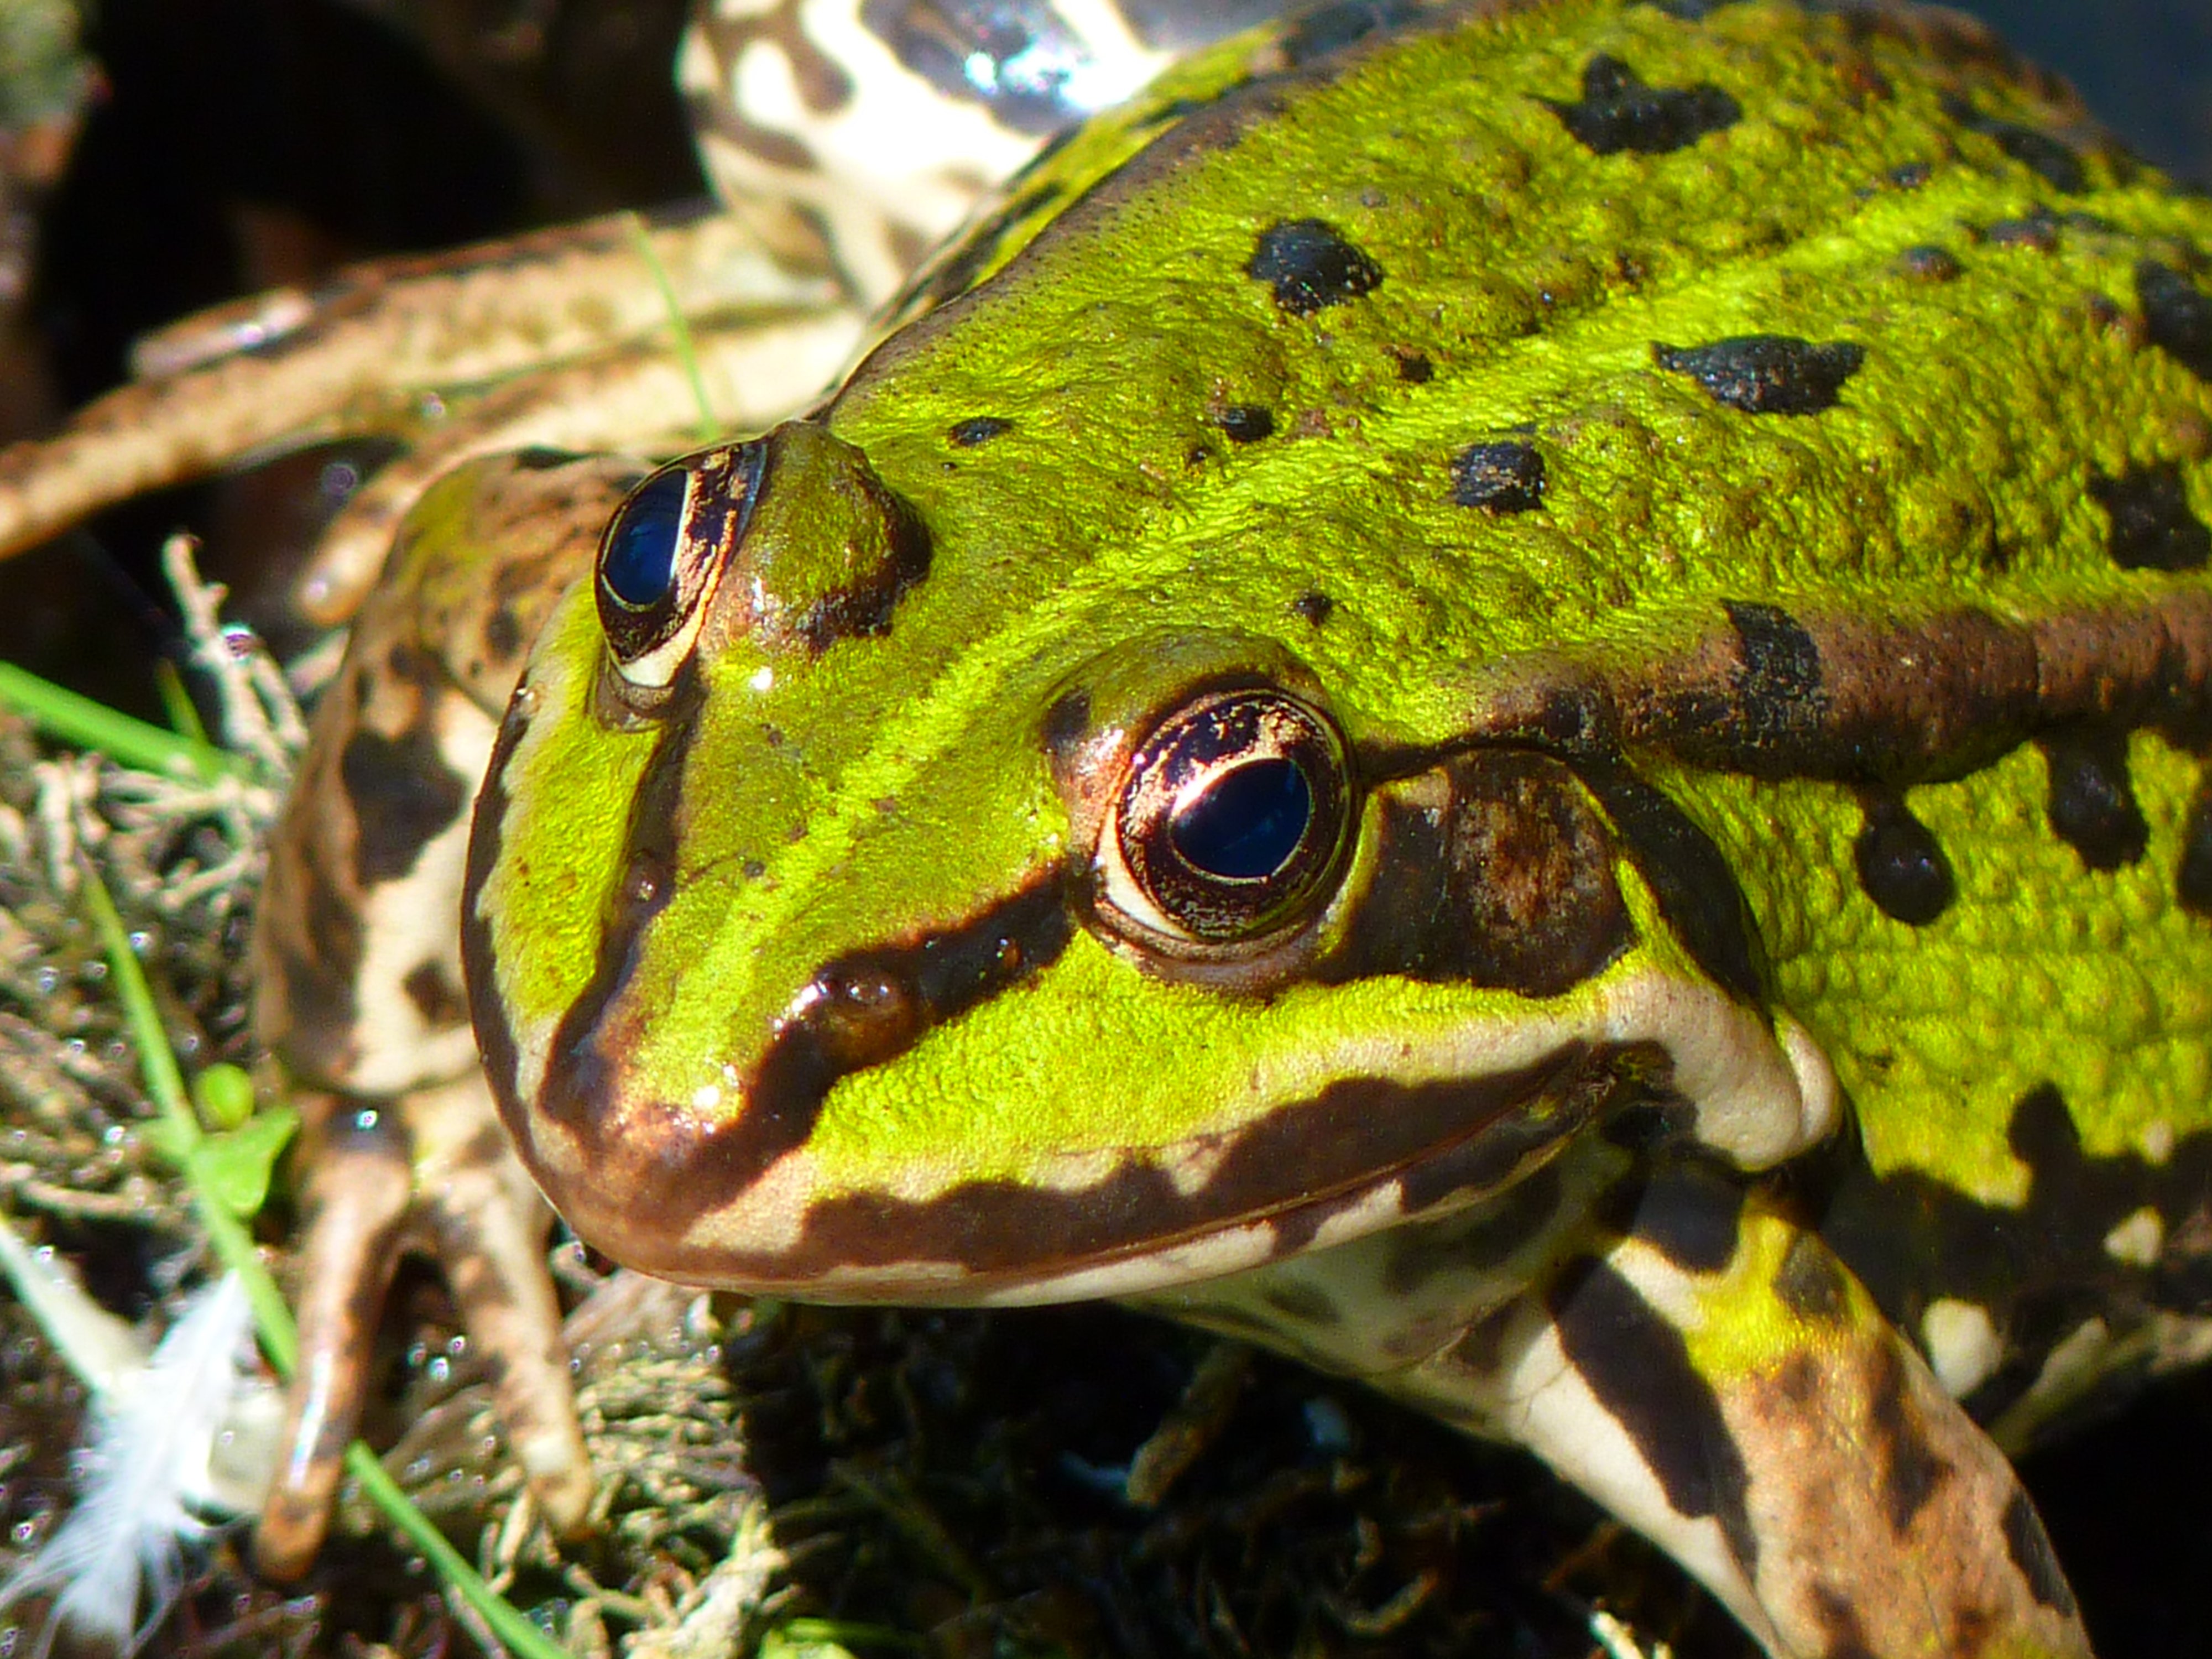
x=660, y=558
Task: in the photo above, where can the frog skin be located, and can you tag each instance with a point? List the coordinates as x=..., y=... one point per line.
x=1517, y=709
x=355, y=946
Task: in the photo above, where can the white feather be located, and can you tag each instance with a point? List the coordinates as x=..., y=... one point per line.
x=145, y=1477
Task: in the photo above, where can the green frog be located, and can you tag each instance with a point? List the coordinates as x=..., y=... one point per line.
x=1509, y=697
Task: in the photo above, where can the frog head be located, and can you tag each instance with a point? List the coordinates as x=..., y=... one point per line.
x=853, y=913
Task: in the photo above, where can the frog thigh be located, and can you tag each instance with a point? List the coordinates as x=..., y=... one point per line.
x=1719, y=1380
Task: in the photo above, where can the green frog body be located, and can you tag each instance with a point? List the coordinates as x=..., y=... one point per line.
x=1511, y=699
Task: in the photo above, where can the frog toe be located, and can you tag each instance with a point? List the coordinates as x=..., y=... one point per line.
x=359, y=1188
x=433, y=1170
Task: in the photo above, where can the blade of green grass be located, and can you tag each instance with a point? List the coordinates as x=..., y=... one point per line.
x=79, y=720
x=686, y=353
x=234, y=1247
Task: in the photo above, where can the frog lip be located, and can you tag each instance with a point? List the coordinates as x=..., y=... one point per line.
x=1366, y=1151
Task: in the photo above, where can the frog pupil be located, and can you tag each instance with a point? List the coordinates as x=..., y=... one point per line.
x=1248, y=824
x=638, y=569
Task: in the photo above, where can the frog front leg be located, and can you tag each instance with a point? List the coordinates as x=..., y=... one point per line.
x=1717, y=1378
x=360, y=988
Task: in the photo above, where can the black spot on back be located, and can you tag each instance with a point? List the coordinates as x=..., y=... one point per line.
x=2153, y=528
x=2037, y=230
x=1414, y=368
x=1313, y=607
x=1911, y=175
x=1767, y=373
x=979, y=429
x=2092, y=803
x=1778, y=682
x=1619, y=112
x=2178, y=314
x=1504, y=477
x=1245, y=423
x=1928, y=263
x=2052, y=161
x=1639, y=1369
x=1901, y=866
x=1310, y=264
x=403, y=796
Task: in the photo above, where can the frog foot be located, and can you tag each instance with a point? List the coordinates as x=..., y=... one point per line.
x=430, y=1170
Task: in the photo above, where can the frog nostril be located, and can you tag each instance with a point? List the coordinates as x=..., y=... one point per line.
x=637, y=569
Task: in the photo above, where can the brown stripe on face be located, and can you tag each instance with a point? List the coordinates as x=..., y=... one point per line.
x=862, y=1010
x=495, y=1046
x=1303, y=1164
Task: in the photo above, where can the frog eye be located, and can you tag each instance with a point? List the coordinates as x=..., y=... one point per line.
x=658, y=554
x=1231, y=819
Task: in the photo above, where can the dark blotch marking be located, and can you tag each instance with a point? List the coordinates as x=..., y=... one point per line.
x=1810, y=1284
x=404, y=797
x=1487, y=1236
x=1928, y=263
x=2055, y=163
x=2153, y=528
x=435, y=997
x=1505, y=476
x=1314, y=607
x=1912, y=1470
x=542, y=457
x=2029, y=1545
x=2193, y=882
x=1326, y=28
x=1690, y=877
x=1310, y=264
x=1414, y=368
x=1767, y=373
x=502, y=634
x=1688, y=1213
x=1619, y=112
x=1901, y=865
x=979, y=429
x=1639, y=1368
x=1777, y=683
x=1245, y=423
x=1509, y=883
x=2037, y=230
x=1911, y=175
x=1305, y=1305
x=2093, y=801
x=2178, y=314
